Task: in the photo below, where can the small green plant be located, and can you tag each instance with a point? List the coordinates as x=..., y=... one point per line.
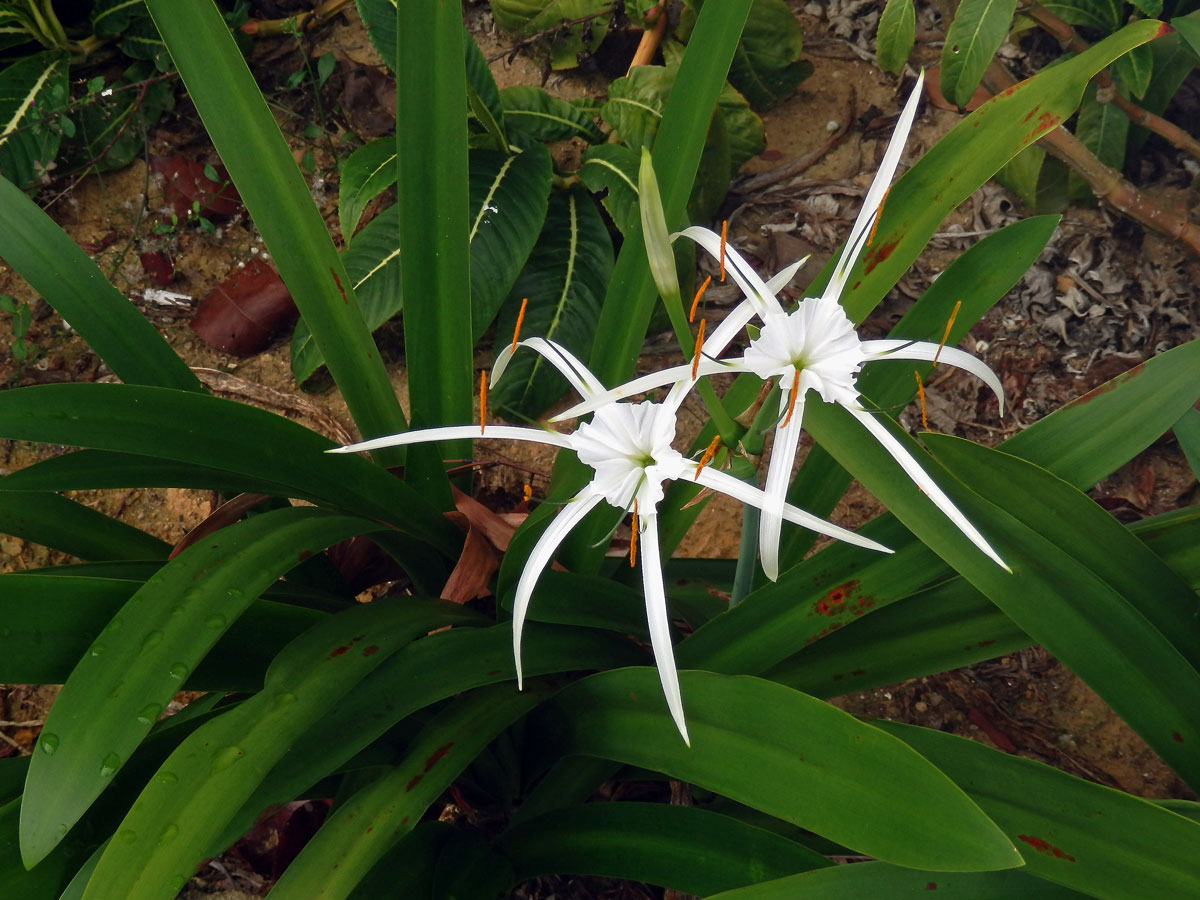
x=22, y=319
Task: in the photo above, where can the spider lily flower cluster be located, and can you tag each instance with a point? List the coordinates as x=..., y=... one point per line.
x=628, y=445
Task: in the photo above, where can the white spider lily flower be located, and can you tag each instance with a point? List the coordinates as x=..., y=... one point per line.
x=815, y=347
x=628, y=445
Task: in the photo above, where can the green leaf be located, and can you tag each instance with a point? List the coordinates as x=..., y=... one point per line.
x=141, y=658
x=508, y=197
x=537, y=116
x=372, y=261
x=112, y=129
x=1102, y=842
x=55, y=266
x=767, y=66
x=744, y=130
x=1134, y=70
x=482, y=95
x=1021, y=173
x=32, y=91
x=635, y=104
x=65, y=525
x=358, y=833
x=564, y=279
x=1103, y=129
x=367, y=172
x=379, y=18
x=569, y=41
x=689, y=850
x=786, y=754
x=224, y=760
x=895, y=35
x=260, y=163
x=141, y=40
x=613, y=168
x=1106, y=15
x=978, y=30
x=1149, y=7
x=111, y=17
x=1189, y=30
x=211, y=432
x=1187, y=432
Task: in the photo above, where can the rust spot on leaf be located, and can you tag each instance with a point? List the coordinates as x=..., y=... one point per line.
x=437, y=754
x=1045, y=122
x=878, y=255
x=1043, y=846
x=339, y=651
x=1176, y=736
x=371, y=651
x=338, y=282
x=1107, y=386
x=932, y=886
x=415, y=781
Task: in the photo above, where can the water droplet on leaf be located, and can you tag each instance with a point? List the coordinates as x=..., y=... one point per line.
x=149, y=713
x=48, y=743
x=216, y=621
x=179, y=671
x=109, y=765
x=226, y=757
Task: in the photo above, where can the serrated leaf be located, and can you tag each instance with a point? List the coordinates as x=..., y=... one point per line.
x=613, y=168
x=1134, y=70
x=366, y=173
x=635, y=104
x=111, y=17
x=566, y=41
x=372, y=261
x=978, y=30
x=1103, y=129
x=32, y=91
x=895, y=35
x=564, y=279
x=538, y=116
x=767, y=66
x=508, y=197
x=379, y=18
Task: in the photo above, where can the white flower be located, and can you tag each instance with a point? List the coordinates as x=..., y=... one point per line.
x=629, y=447
x=815, y=347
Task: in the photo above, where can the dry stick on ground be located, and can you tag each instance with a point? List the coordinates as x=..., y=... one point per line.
x=1106, y=183
x=1069, y=39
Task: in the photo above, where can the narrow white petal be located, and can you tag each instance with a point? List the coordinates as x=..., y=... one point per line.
x=660, y=622
x=927, y=351
x=784, y=276
x=560, y=357
x=779, y=476
x=673, y=375
x=927, y=485
x=744, y=276
x=748, y=493
x=458, y=433
x=737, y=319
x=861, y=230
x=539, y=558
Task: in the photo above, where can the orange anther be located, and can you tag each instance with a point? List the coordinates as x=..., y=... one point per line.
x=878, y=216
x=921, y=397
x=528, y=490
x=633, y=537
x=699, y=345
x=946, y=336
x=724, y=236
x=792, y=399
x=696, y=299
x=709, y=452
x=520, y=319
x=482, y=401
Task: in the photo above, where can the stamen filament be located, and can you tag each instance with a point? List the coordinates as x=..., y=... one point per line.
x=724, y=237
x=878, y=216
x=699, y=344
x=709, y=452
x=633, y=537
x=921, y=397
x=946, y=336
x=482, y=400
x=520, y=319
x=792, y=400
x=696, y=299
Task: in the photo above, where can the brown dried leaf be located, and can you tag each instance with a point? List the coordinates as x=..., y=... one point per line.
x=246, y=311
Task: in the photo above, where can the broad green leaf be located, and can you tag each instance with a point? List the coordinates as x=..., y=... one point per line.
x=613, y=169
x=260, y=163
x=379, y=18
x=224, y=760
x=32, y=91
x=482, y=94
x=875, y=880
x=537, y=116
x=1189, y=30
x=55, y=266
x=508, y=197
x=141, y=658
x=43, y=882
x=366, y=173
x=141, y=40
x=65, y=525
x=1187, y=432
x=564, y=279
x=978, y=30
x=766, y=66
x=1149, y=7
x=211, y=432
x=1134, y=70
x=782, y=752
x=359, y=832
x=1106, y=15
x=111, y=17
x=895, y=35
x=635, y=104
x=1103, y=129
x=689, y=850
x=372, y=261
x=1021, y=173
x=744, y=130
x=420, y=675
x=531, y=17
x=1072, y=832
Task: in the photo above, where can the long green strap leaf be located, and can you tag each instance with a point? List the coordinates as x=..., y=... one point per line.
x=261, y=165
x=785, y=753
x=141, y=658
x=154, y=853
x=71, y=527
x=45, y=256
